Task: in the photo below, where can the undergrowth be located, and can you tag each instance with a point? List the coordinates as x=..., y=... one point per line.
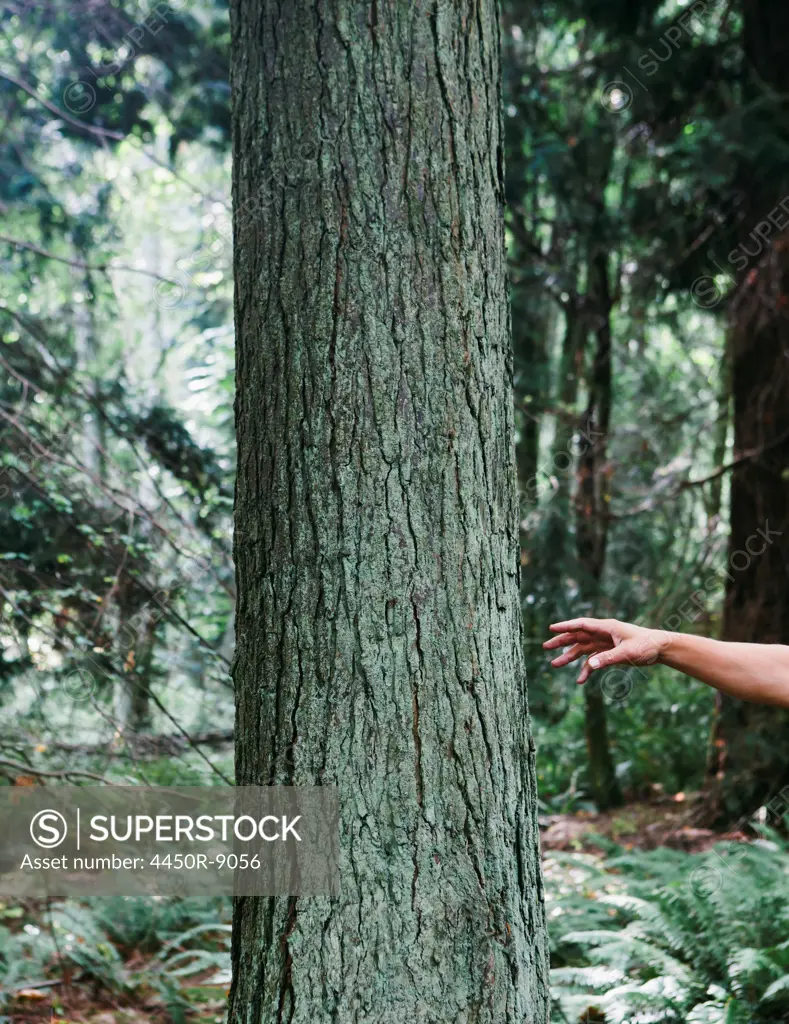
x=664, y=936
x=636, y=938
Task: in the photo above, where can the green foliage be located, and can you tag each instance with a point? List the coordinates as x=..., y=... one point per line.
x=146, y=925
x=102, y=941
x=658, y=734
x=117, y=464
x=666, y=936
x=647, y=187
x=68, y=935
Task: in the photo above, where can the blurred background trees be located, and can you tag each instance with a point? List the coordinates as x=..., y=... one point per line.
x=648, y=205
x=645, y=181
x=117, y=386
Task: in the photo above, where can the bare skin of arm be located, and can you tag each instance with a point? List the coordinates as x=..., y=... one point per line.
x=753, y=672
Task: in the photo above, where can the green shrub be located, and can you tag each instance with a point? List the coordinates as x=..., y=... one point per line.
x=136, y=923
x=658, y=735
x=647, y=938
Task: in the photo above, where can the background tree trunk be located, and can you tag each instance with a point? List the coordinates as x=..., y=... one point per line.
x=748, y=762
x=136, y=643
x=591, y=521
x=562, y=458
x=533, y=322
x=378, y=623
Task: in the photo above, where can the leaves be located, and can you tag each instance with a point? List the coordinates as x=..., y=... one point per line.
x=675, y=948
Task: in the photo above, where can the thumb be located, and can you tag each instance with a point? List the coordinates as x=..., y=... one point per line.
x=616, y=656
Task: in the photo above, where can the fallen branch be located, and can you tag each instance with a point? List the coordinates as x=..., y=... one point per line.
x=142, y=745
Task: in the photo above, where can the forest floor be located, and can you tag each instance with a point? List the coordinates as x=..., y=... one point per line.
x=78, y=1004
x=643, y=825
x=76, y=999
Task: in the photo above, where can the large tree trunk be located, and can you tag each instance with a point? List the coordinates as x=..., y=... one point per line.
x=749, y=763
x=378, y=626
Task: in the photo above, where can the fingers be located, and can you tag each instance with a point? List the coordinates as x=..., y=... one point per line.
x=584, y=674
x=576, y=651
x=563, y=640
x=604, y=659
x=579, y=637
x=588, y=625
x=591, y=666
x=599, y=637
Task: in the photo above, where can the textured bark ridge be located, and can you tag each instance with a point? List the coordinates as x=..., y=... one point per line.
x=378, y=624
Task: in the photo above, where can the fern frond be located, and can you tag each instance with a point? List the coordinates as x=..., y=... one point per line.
x=598, y=978
x=780, y=987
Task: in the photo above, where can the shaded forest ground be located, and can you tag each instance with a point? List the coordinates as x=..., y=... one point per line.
x=138, y=971
x=643, y=825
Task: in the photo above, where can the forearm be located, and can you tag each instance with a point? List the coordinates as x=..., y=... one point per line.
x=753, y=672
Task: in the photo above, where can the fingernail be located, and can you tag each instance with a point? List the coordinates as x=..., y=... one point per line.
x=594, y=662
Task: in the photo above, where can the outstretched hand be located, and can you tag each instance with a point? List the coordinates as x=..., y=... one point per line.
x=607, y=641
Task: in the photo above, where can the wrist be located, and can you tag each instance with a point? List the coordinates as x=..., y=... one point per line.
x=666, y=644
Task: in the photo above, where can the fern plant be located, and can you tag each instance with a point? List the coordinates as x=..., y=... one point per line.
x=201, y=952
x=190, y=940
x=68, y=935
x=671, y=937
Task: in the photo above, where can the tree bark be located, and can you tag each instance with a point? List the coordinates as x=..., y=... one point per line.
x=748, y=761
x=591, y=521
x=378, y=624
x=532, y=325
x=136, y=640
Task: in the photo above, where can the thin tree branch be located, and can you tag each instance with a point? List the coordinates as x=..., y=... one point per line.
x=67, y=773
x=80, y=265
x=684, y=485
x=75, y=122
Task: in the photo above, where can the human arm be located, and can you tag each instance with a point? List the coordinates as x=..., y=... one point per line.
x=752, y=672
